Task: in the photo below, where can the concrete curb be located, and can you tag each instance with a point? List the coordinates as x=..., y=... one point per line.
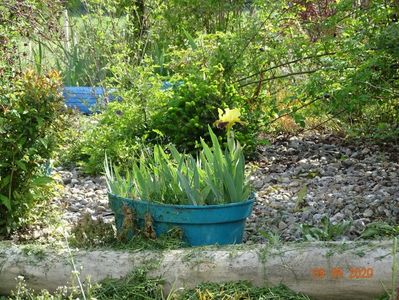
x=350, y=270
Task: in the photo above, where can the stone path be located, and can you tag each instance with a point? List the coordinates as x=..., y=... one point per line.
x=300, y=180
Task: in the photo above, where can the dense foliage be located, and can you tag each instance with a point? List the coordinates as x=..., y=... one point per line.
x=295, y=62
x=30, y=105
x=200, y=80
x=29, y=126
x=123, y=128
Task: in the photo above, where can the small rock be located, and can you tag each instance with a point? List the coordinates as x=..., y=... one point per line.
x=101, y=208
x=258, y=184
x=339, y=202
x=282, y=225
x=348, y=162
x=66, y=180
x=366, y=151
x=381, y=209
x=359, y=225
x=368, y=213
x=36, y=234
x=338, y=217
x=90, y=195
x=74, y=208
x=317, y=217
x=90, y=211
x=83, y=201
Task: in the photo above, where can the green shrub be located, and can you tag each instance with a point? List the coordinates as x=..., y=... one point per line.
x=357, y=82
x=201, y=84
x=113, y=137
x=192, y=106
x=124, y=126
x=180, y=114
x=29, y=125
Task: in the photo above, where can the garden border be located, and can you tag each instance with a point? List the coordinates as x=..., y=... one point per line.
x=322, y=270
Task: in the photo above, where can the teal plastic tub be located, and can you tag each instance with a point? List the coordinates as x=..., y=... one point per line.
x=201, y=225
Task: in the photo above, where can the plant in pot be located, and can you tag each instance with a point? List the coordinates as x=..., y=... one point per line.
x=207, y=196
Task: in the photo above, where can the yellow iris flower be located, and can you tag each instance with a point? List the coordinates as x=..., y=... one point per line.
x=228, y=118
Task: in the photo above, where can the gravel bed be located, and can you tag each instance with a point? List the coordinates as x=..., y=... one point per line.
x=298, y=180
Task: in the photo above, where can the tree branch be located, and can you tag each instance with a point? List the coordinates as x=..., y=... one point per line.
x=292, y=112
x=281, y=76
x=286, y=64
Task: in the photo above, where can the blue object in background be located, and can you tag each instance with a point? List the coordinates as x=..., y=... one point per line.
x=201, y=225
x=84, y=98
x=166, y=85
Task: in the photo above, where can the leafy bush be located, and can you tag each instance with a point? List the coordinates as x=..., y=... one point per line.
x=357, y=72
x=200, y=81
x=124, y=127
x=213, y=177
x=22, y=22
x=112, y=136
x=29, y=125
x=148, y=112
x=192, y=106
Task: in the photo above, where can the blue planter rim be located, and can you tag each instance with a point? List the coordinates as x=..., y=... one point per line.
x=188, y=206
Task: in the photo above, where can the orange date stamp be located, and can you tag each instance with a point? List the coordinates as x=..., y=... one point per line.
x=352, y=273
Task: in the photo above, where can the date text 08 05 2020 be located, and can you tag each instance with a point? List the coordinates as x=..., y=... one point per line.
x=339, y=273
